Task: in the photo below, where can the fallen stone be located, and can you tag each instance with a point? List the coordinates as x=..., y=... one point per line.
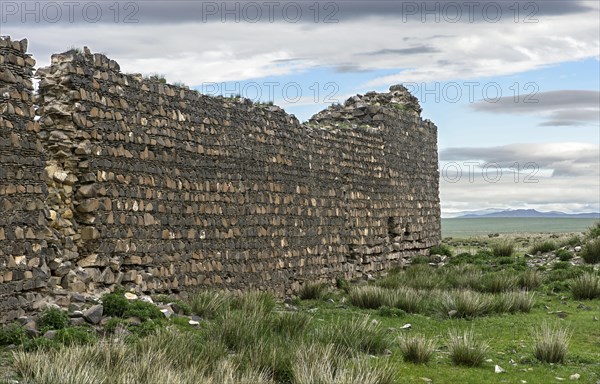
x=94, y=314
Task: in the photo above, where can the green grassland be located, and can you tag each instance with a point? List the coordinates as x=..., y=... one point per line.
x=353, y=332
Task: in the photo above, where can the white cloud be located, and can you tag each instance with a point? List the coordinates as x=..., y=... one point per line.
x=196, y=52
x=558, y=176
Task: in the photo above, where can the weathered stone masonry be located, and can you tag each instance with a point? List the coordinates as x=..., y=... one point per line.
x=134, y=182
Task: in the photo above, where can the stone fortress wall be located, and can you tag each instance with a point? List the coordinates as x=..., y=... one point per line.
x=123, y=180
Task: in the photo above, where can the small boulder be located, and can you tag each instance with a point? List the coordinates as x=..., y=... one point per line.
x=94, y=314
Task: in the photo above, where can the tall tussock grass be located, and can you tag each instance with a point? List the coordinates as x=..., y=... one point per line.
x=417, y=349
x=503, y=249
x=115, y=362
x=209, y=304
x=370, y=296
x=529, y=279
x=591, y=251
x=586, y=286
x=359, y=334
x=551, y=343
x=312, y=290
x=465, y=304
x=516, y=301
x=465, y=349
x=325, y=364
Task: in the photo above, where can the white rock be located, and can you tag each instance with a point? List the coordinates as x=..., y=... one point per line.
x=193, y=322
x=577, y=249
x=130, y=296
x=147, y=299
x=574, y=376
x=406, y=326
x=499, y=369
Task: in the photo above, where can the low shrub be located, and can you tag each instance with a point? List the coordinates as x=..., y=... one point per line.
x=591, y=251
x=572, y=241
x=40, y=344
x=342, y=283
x=550, y=343
x=542, y=247
x=586, y=286
x=594, y=231
x=417, y=349
x=465, y=349
x=113, y=324
x=420, y=260
x=12, y=334
x=503, y=249
x=561, y=265
x=440, y=250
x=115, y=303
x=76, y=336
x=312, y=291
x=143, y=310
x=564, y=255
x=53, y=318
x=386, y=311
x=182, y=307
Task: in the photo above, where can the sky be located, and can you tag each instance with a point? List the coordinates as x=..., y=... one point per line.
x=513, y=86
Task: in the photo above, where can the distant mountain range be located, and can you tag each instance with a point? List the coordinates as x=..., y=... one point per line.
x=490, y=213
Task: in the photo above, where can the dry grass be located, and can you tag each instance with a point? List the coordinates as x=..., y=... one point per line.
x=465, y=349
x=417, y=349
x=551, y=343
x=465, y=304
x=586, y=286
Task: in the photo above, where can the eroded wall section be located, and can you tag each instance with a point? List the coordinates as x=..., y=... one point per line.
x=23, y=226
x=158, y=187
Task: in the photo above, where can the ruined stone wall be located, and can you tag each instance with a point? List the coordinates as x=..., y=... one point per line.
x=158, y=187
x=23, y=226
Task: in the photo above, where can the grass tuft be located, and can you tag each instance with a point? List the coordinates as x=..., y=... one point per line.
x=312, y=291
x=543, y=247
x=529, y=279
x=370, y=297
x=417, y=349
x=516, y=301
x=440, y=250
x=358, y=334
x=498, y=282
x=209, y=304
x=465, y=304
x=503, y=249
x=586, y=286
x=551, y=343
x=591, y=251
x=465, y=349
